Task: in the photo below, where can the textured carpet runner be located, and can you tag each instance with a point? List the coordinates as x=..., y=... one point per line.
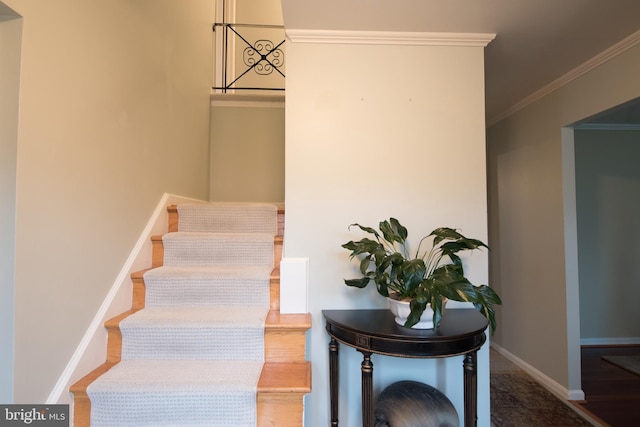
x=193, y=356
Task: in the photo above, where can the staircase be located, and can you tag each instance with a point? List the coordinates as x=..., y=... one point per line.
x=285, y=375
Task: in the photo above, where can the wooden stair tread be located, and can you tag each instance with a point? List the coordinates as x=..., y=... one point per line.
x=285, y=378
x=277, y=320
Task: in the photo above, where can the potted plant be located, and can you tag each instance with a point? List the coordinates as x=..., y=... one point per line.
x=428, y=278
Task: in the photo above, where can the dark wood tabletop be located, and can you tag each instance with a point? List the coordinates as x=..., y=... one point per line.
x=461, y=331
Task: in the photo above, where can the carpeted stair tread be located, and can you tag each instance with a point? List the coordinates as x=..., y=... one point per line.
x=194, y=333
x=206, y=249
x=175, y=392
x=146, y=375
x=228, y=217
x=212, y=286
x=210, y=271
x=223, y=317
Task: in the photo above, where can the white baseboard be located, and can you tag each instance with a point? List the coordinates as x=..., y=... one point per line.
x=611, y=341
x=550, y=384
x=92, y=349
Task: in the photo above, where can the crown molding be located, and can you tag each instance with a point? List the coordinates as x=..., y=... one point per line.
x=580, y=70
x=389, y=38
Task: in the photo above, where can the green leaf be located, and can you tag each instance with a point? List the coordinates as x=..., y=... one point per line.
x=366, y=230
x=357, y=283
x=393, y=231
x=446, y=274
x=417, y=308
x=444, y=233
x=389, y=260
x=489, y=294
x=382, y=284
x=488, y=312
x=364, y=264
x=436, y=306
x=363, y=246
x=412, y=274
x=461, y=245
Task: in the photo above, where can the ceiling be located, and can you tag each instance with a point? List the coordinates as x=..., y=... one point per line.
x=537, y=41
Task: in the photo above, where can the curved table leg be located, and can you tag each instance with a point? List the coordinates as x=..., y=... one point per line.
x=367, y=390
x=470, y=389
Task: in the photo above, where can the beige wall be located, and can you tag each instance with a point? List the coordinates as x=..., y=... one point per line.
x=367, y=139
x=114, y=111
x=10, y=42
x=540, y=324
x=247, y=152
x=258, y=12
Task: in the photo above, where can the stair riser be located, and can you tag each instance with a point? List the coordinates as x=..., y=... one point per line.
x=280, y=409
x=279, y=346
x=196, y=249
x=173, y=221
x=285, y=346
x=274, y=292
x=202, y=344
x=157, y=257
x=209, y=294
x=169, y=409
x=139, y=290
x=81, y=410
x=274, y=409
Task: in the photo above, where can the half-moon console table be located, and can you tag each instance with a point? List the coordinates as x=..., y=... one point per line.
x=461, y=332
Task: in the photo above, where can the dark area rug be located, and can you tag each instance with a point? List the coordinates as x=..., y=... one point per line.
x=517, y=400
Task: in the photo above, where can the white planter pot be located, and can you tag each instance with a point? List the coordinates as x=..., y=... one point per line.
x=402, y=309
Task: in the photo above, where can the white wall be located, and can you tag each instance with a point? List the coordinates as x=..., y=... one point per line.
x=608, y=206
x=10, y=43
x=525, y=173
x=114, y=111
x=374, y=131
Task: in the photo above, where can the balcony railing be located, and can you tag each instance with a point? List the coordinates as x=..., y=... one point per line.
x=248, y=57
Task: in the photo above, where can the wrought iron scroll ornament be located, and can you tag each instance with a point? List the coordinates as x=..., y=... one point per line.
x=269, y=57
x=263, y=57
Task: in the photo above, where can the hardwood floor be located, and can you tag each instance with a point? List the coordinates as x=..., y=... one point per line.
x=612, y=393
